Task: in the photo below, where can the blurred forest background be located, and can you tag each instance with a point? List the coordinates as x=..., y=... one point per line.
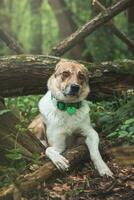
x=39, y=25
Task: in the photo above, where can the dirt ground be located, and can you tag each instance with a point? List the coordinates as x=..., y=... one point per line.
x=85, y=183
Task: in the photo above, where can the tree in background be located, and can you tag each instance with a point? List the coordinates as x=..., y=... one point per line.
x=131, y=21
x=36, y=26
x=33, y=23
x=67, y=26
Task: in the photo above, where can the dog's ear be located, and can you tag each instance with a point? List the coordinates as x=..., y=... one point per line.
x=58, y=65
x=56, y=68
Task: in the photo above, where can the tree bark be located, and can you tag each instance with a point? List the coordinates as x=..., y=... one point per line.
x=11, y=138
x=26, y=183
x=89, y=27
x=25, y=75
x=124, y=155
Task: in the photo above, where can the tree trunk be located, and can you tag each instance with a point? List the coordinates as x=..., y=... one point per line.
x=131, y=14
x=67, y=26
x=25, y=75
x=131, y=22
x=11, y=137
x=36, y=26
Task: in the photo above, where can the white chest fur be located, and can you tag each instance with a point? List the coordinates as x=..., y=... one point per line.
x=53, y=116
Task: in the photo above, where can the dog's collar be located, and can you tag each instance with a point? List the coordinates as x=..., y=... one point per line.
x=70, y=108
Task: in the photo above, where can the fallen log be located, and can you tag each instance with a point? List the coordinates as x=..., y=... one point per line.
x=26, y=183
x=124, y=155
x=28, y=75
x=12, y=138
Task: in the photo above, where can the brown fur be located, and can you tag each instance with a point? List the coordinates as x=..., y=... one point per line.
x=66, y=73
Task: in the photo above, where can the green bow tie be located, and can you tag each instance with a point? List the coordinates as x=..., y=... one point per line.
x=70, y=108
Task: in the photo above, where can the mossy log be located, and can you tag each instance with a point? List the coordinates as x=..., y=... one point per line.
x=28, y=74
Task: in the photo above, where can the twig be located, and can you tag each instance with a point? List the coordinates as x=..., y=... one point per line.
x=110, y=187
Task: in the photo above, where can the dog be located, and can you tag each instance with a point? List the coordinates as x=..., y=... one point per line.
x=65, y=112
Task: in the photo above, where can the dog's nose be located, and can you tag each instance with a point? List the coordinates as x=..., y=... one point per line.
x=75, y=88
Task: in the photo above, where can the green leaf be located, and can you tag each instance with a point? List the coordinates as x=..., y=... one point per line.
x=129, y=121
x=123, y=134
x=113, y=134
x=4, y=111
x=125, y=126
x=14, y=154
x=131, y=129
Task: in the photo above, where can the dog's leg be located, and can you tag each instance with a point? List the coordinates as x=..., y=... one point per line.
x=92, y=141
x=57, y=146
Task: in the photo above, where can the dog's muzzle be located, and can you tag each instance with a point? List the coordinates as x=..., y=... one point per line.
x=74, y=90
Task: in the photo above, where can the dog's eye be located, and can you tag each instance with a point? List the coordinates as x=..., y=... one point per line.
x=81, y=77
x=66, y=74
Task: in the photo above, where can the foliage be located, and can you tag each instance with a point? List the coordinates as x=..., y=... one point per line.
x=115, y=119
x=4, y=111
x=125, y=130
x=26, y=108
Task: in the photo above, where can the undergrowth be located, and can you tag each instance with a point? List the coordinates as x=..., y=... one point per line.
x=113, y=119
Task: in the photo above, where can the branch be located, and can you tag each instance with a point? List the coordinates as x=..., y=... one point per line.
x=25, y=75
x=114, y=29
x=89, y=27
x=10, y=42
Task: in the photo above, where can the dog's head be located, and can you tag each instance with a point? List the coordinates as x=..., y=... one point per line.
x=70, y=82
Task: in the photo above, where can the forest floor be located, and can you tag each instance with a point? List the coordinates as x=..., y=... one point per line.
x=85, y=183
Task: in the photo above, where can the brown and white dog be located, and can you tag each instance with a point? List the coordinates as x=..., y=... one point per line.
x=65, y=112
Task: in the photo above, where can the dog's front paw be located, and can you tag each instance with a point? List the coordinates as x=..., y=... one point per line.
x=105, y=171
x=61, y=162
